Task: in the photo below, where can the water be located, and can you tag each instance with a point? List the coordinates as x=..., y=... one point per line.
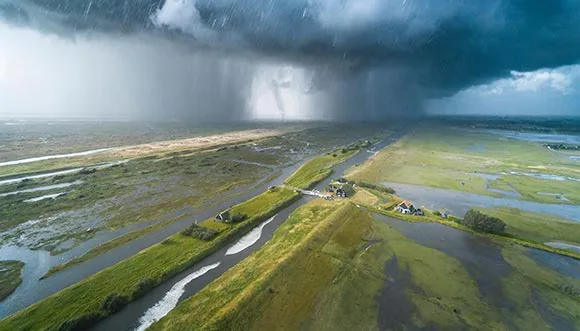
x=45, y=175
x=44, y=188
x=546, y=176
x=458, y=203
x=56, y=156
x=537, y=137
x=564, y=246
x=169, y=301
x=249, y=239
x=44, y=197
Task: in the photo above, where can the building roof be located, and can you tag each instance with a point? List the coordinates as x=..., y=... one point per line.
x=406, y=204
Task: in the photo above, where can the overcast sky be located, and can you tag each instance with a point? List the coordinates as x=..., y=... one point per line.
x=294, y=59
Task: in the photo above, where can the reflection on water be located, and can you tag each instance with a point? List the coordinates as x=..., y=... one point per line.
x=43, y=188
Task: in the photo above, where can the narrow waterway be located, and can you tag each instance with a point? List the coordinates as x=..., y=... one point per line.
x=56, y=156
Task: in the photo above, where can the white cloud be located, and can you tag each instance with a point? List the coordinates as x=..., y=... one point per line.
x=560, y=81
x=541, y=80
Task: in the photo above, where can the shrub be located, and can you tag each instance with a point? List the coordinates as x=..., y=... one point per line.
x=376, y=187
x=348, y=189
x=454, y=219
x=480, y=222
x=81, y=323
x=334, y=155
x=343, y=151
x=437, y=213
x=114, y=302
x=200, y=232
x=143, y=286
x=238, y=217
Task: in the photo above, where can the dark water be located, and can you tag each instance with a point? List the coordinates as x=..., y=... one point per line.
x=484, y=262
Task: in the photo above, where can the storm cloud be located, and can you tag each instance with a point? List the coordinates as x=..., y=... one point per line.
x=349, y=59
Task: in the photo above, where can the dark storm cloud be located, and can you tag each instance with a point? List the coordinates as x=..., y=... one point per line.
x=367, y=53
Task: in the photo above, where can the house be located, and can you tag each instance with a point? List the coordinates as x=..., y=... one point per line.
x=222, y=217
x=340, y=193
x=406, y=207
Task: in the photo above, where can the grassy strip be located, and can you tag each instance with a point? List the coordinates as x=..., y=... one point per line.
x=128, y=237
x=158, y=263
x=10, y=277
x=317, y=169
x=109, y=245
x=317, y=248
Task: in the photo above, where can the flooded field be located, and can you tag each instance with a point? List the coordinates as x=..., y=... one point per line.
x=459, y=202
x=491, y=265
x=536, y=137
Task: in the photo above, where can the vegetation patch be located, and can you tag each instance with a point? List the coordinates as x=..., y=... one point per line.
x=200, y=232
x=158, y=263
x=10, y=277
x=478, y=221
x=317, y=169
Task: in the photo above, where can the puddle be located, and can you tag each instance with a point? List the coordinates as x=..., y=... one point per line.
x=43, y=188
x=249, y=239
x=45, y=175
x=491, y=177
x=537, y=137
x=56, y=156
x=563, y=246
x=171, y=298
x=458, y=203
x=44, y=197
x=575, y=158
x=476, y=148
x=546, y=176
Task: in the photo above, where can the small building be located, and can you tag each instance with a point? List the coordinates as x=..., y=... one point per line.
x=340, y=193
x=406, y=207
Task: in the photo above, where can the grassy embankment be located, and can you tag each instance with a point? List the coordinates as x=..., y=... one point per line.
x=318, y=169
x=454, y=159
x=174, y=254
x=523, y=228
x=128, y=237
x=10, y=277
x=324, y=269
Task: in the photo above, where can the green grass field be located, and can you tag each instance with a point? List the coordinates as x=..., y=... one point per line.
x=10, y=277
x=458, y=160
x=325, y=269
x=318, y=169
x=158, y=262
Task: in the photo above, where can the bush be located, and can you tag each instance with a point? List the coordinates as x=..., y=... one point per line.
x=200, y=232
x=480, y=222
x=376, y=187
x=238, y=217
x=114, y=302
x=143, y=286
x=348, y=189
x=437, y=213
x=82, y=323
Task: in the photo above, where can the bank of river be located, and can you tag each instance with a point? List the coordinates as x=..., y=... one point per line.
x=458, y=203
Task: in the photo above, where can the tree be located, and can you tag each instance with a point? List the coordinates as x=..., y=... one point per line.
x=484, y=223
